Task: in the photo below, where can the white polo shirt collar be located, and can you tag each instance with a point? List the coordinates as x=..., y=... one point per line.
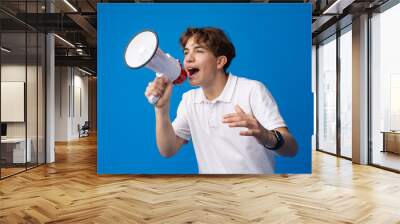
x=225, y=96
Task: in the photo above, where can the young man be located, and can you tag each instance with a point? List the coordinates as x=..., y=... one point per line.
x=234, y=122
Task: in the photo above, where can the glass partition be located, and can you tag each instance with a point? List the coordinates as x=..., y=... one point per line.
x=14, y=153
x=22, y=88
x=327, y=95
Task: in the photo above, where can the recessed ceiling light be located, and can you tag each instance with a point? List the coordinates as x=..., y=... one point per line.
x=337, y=7
x=65, y=41
x=84, y=71
x=70, y=5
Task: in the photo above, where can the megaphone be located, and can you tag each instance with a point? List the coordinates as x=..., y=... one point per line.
x=143, y=51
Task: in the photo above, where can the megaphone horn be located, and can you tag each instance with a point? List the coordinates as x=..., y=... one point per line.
x=143, y=50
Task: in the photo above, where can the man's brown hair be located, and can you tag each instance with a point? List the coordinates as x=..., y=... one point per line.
x=215, y=40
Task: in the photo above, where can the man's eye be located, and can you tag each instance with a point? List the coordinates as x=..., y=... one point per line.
x=185, y=53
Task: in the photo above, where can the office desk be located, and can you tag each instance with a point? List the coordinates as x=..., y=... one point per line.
x=13, y=150
x=391, y=141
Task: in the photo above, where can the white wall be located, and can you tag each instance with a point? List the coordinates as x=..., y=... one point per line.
x=13, y=72
x=61, y=103
x=80, y=109
x=71, y=102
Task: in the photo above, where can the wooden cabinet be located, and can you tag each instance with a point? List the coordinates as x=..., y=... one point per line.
x=391, y=141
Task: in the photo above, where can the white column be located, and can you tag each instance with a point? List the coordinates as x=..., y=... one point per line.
x=50, y=100
x=50, y=92
x=360, y=90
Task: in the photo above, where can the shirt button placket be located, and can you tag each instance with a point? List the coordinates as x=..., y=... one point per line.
x=213, y=115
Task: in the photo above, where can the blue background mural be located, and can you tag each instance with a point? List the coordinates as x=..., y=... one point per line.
x=273, y=45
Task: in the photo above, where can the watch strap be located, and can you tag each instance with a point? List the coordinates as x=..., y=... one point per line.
x=279, y=141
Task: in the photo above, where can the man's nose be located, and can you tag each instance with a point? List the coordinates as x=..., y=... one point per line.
x=189, y=57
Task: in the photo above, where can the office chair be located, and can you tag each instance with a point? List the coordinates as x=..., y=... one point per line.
x=84, y=130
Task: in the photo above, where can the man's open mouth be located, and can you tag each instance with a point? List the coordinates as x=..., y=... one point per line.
x=192, y=71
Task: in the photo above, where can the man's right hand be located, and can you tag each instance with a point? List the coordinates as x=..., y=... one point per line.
x=162, y=88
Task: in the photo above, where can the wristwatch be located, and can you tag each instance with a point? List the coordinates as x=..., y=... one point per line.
x=279, y=140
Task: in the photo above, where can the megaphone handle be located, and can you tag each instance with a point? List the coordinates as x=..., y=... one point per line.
x=153, y=99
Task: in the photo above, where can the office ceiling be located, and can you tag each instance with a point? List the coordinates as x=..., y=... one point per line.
x=76, y=22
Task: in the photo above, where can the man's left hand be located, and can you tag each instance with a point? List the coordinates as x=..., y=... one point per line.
x=263, y=135
x=241, y=119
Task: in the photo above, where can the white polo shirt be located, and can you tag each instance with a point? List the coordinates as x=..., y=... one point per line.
x=219, y=148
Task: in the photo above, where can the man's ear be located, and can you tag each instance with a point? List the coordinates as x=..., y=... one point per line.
x=221, y=61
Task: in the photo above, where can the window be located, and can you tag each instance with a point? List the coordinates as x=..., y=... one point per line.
x=346, y=92
x=385, y=88
x=327, y=95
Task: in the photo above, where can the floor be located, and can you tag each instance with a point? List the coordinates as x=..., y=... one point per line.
x=70, y=191
x=388, y=159
x=8, y=171
x=5, y=172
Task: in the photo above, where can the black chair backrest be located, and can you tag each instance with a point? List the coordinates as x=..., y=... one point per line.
x=86, y=125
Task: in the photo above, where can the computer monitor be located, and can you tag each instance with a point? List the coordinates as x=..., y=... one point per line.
x=3, y=129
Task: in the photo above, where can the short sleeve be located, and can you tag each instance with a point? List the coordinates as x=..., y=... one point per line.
x=181, y=123
x=264, y=107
